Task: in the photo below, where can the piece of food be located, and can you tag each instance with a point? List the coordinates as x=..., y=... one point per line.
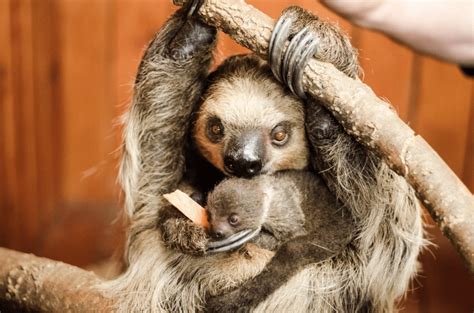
x=190, y=208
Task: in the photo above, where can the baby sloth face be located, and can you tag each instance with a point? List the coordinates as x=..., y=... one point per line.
x=233, y=207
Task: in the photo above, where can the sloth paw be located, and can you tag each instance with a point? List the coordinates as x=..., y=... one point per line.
x=288, y=63
x=297, y=37
x=185, y=236
x=198, y=197
x=321, y=126
x=192, y=36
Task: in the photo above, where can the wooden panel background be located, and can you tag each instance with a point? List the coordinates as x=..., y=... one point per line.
x=66, y=72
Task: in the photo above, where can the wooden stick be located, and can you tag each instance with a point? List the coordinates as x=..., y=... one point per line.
x=190, y=208
x=29, y=283
x=370, y=120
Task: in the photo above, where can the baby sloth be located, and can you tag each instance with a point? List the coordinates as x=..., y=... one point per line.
x=297, y=216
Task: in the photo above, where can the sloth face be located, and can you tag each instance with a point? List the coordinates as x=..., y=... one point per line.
x=235, y=205
x=223, y=226
x=247, y=127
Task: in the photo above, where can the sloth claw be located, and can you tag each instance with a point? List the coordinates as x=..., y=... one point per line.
x=193, y=6
x=233, y=242
x=288, y=64
x=277, y=43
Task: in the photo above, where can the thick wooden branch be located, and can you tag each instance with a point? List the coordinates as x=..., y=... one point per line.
x=32, y=284
x=370, y=120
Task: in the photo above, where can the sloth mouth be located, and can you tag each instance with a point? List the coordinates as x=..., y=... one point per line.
x=232, y=242
x=229, y=172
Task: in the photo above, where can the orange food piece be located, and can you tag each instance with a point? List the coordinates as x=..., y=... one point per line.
x=190, y=208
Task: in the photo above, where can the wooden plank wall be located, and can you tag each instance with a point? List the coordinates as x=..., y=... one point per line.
x=66, y=72
x=58, y=104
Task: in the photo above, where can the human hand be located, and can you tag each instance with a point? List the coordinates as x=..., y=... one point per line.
x=439, y=28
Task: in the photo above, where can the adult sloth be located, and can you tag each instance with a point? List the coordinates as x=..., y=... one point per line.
x=168, y=269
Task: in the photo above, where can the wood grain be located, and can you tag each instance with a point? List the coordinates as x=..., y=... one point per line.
x=388, y=69
x=88, y=100
x=8, y=162
x=443, y=102
x=47, y=132
x=468, y=172
x=24, y=121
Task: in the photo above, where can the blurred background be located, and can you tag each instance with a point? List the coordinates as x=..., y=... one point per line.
x=66, y=73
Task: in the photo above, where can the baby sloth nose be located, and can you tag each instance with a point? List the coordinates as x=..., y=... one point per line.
x=242, y=167
x=218, y=235
x=220, y=230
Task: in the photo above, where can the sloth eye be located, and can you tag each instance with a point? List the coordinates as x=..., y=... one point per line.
x=215, y=129
x=234, y=219
x=279, y=135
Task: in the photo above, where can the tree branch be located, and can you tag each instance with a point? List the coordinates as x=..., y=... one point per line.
x=370, y=120
x=32, y=284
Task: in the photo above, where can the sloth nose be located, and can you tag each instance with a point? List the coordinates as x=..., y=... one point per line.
x=218, y=235
x=243, y=167
x=220, y=230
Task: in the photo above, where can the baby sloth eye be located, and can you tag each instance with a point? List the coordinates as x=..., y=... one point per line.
x=279, y=135
x=234, y=219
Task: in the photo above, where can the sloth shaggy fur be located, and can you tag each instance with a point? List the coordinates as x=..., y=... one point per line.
x=368, y=276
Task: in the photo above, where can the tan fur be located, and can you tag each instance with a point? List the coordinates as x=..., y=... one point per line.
x=379, y=264
x=378, y=267
x=258, y=106
x=175, y=282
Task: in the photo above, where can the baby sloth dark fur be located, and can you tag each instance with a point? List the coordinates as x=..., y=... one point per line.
x=297, y=215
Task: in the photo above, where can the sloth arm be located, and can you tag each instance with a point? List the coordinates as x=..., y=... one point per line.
x=168, y=85
x=349, y=169
x=290, y=258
